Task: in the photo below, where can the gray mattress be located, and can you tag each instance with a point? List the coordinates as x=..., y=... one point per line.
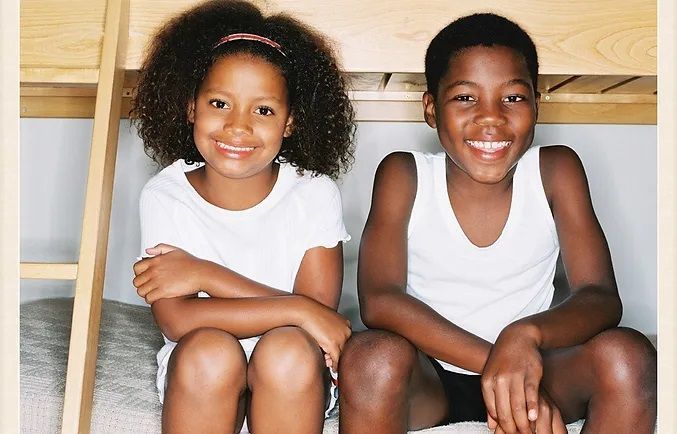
x=125, y=399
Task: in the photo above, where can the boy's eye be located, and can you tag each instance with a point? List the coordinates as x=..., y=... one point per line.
x=464, y=98
x=514, y=98
x=218, y=103
x=264, y=111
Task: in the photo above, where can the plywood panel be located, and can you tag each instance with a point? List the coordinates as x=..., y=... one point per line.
x=548, y=82
x=407, y=83
x=577, y=37
x=64, y=34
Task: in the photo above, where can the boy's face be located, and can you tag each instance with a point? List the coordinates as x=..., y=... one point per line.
x=484, y=111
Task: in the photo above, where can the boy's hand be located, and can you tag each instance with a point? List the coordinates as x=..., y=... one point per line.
x=329, y=329
x=511, y=379
x=171, y=273
x=549, y=418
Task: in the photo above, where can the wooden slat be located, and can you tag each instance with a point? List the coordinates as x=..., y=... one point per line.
x=591, y=84
x=59, y=75
x=365, y=80
x=94, y=241
x=407, y=83
x=549, y=113
x=641, y=85
x=32, y=270
x=547, y=82
x=577, y=37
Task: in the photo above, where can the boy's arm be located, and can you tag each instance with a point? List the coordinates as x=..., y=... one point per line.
x=382, y=273
x=514, y=370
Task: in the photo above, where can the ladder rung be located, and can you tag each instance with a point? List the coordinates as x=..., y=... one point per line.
x=33, y=270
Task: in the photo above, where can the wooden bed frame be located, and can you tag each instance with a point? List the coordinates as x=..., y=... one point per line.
x=79, y=59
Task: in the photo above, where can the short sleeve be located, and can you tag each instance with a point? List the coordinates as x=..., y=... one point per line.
x=327, y=228
x=157, y=225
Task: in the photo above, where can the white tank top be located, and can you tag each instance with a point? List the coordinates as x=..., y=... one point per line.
x=481, y=289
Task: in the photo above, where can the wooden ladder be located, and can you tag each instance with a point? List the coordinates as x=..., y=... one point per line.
x=89, y=271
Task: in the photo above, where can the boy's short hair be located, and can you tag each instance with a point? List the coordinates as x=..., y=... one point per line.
x=485, y=29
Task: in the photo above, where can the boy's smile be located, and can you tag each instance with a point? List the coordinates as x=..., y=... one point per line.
x=484, y=111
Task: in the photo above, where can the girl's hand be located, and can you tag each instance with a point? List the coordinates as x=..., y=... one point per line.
x=171, y=273
x=511, y=380
x=329, y=329
x=549, y=419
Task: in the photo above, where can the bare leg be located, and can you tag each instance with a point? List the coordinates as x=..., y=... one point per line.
x=206, y=384
x=286, y=377
x=610, y=380
x=387, y=386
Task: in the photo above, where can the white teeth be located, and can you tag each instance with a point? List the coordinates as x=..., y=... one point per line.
x=234, y=148
x=488, y=146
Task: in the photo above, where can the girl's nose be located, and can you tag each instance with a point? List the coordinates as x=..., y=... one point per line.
x=238, y=123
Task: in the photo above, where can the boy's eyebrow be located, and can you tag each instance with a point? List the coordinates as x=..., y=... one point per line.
x=518, y=81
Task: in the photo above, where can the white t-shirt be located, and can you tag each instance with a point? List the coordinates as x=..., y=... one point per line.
x=265, y=243
x=481, y=289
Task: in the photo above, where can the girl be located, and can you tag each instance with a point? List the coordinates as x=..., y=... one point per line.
x=244, y=227
x=473, y=234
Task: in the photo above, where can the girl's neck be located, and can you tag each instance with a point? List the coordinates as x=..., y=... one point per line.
x=233, y=194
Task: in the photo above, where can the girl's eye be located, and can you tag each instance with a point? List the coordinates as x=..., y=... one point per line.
x=464, y=98
x=514, y=98
x=218, y=103
x=264, y=111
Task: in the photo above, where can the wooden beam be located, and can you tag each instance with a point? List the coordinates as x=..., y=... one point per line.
x=96, y=219
x=32, y=270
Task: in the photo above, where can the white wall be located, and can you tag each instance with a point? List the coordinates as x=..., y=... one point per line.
x=620, y=162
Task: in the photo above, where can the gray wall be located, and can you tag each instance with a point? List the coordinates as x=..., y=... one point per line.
x=620, y=162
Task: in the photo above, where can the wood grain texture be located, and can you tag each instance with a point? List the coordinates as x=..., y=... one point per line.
x=96, y=219
x=32, y=270
x=576, y=37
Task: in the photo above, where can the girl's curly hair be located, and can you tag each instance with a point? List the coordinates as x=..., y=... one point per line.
x=182, y=52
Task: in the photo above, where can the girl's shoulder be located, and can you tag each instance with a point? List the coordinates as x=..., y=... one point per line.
x=170, y=182
x=307, y=186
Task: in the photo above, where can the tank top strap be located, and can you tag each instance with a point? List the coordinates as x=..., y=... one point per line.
x=424, y=186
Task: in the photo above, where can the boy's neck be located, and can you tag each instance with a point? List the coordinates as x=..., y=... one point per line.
x=233, y=194
x=460, y=184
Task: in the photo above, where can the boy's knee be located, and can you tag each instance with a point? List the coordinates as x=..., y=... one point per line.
x=208, y=359
x=287, y=358
x=624, y=359
x=379, y=358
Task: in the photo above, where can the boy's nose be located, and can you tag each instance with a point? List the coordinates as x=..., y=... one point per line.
x=489, y=115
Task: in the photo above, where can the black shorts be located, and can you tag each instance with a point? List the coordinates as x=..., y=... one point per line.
x=464, y=395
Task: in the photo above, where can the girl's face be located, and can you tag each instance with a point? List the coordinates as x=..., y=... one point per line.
x=240, y=116
x=484, y=112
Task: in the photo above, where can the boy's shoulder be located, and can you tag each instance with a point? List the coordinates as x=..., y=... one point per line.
x=561, y=169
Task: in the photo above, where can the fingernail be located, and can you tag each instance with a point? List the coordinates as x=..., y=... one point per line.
x=532, y=415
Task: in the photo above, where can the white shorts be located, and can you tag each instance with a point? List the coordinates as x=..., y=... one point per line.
x=248, y=346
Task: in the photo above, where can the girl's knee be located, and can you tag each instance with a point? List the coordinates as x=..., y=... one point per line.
x=207, y=359
x=379, y=358
x=286, y=358
x=624, y=359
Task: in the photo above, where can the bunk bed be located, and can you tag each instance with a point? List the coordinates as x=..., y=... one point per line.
x=79, y=59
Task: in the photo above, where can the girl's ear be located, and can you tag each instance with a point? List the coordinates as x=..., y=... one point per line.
x=289, y=127
x=429, y=110
x=190, y=111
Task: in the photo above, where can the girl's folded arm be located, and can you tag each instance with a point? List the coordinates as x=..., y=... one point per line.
x=382, y=274
x=241, y=317
x=594, y=304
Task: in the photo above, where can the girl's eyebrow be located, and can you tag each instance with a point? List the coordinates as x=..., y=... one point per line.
x=228, y=94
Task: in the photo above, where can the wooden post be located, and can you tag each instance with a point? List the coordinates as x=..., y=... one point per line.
x=94, y=242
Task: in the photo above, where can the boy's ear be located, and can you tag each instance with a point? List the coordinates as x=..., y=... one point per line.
x=190, y=111
x=289, y=127
x=429, y=109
